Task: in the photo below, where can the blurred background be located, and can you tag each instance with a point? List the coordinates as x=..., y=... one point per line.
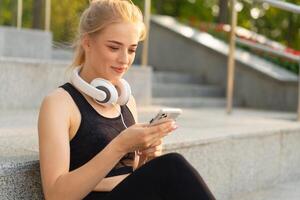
x=205, y=15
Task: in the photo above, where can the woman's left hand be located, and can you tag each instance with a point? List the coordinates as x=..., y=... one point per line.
x=152, y=152
x=155, y=150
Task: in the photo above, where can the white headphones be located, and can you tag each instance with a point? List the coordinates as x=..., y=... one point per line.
x=102, y=90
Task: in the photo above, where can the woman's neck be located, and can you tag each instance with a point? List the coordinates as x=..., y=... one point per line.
x=87, y=75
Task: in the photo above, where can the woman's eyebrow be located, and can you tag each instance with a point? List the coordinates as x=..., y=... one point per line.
x=116, y=42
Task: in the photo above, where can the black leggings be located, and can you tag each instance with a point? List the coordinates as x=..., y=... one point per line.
x=168, y=177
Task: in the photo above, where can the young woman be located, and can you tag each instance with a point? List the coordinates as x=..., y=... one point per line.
x=91, y=146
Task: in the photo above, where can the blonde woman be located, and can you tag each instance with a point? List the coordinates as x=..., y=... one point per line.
x=92, y=148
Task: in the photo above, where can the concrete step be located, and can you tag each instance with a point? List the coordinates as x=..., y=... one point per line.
x=62, y=54
x=175, y=77
x=19, y=175
x=19, y=165
x=234, y=153
x=25, y=82
x=289, y=190
x=186, y=90
x=189, y=102
x=35, y=79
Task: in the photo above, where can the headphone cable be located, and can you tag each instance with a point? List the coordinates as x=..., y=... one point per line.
x=120, y=114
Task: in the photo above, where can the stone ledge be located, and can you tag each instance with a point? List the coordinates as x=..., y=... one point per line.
x=221, y=147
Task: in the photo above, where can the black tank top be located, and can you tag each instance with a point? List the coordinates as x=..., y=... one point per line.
x=94, y=133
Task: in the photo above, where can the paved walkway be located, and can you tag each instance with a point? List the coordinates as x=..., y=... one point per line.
x=285, y=191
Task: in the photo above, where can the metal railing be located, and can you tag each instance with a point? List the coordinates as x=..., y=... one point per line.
x=231, y=64
x=47, y=14
x=233, y=40
x=20, y=14
x=147, y=14
x=267, y=49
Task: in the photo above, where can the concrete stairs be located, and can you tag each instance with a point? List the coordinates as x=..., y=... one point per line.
x=258, y=83
x=237, y=155
x=174, y=89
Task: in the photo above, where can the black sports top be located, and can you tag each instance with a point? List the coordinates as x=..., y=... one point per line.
x=95, y=132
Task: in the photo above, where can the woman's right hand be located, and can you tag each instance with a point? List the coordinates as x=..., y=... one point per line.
x=142, y=136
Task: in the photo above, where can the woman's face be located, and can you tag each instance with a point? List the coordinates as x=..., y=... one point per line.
x=112, y=51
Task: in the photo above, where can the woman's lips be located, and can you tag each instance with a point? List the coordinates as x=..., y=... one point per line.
x=119, y=69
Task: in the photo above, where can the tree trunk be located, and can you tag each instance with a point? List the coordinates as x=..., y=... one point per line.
x=291, y=34
x=0, y=9
x=14, y=8
x=159, y=7
x=178, y=4
x=37, y=14
x=223, y=10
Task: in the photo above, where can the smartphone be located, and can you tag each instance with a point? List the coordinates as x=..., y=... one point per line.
x=165, y=114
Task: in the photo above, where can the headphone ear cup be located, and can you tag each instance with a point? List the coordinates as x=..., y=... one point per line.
x=124, y=92
x=85, y=87
x=109, y=89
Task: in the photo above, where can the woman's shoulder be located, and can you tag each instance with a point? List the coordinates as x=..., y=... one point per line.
x=58, y=94
x=55, y=113
x=57, y=99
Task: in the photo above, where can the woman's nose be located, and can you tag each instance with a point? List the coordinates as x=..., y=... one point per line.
x=124, y=57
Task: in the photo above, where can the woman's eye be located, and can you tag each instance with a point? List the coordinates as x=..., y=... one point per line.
x=132, y=50
x=114, y=48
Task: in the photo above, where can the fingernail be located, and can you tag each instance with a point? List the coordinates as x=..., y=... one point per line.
x=174, y=126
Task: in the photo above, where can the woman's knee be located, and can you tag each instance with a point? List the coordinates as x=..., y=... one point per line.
x=173, y=159
x=171, y=165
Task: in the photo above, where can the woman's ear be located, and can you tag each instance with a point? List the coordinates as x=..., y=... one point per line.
x=86, y=42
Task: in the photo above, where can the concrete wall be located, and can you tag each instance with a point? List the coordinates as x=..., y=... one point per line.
x=257, y=83
x=24, y=82
x=25, y=43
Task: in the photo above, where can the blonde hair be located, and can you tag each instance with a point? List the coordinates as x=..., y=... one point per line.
x=101, y=13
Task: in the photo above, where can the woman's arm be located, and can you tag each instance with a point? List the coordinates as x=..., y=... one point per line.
x=149, y=154
x=107, y=184
x=139, y=159
x=133, y=109
x=53, y=128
